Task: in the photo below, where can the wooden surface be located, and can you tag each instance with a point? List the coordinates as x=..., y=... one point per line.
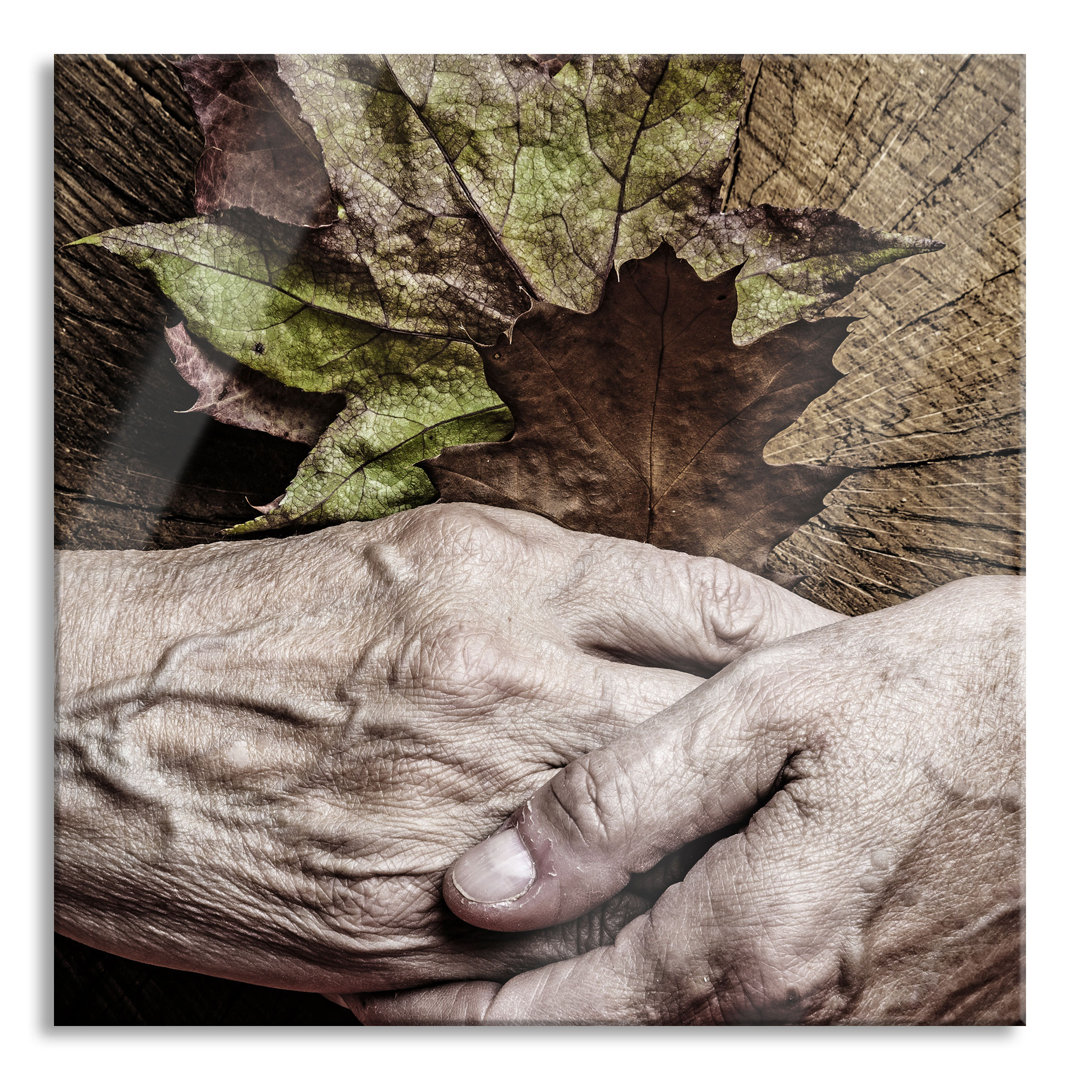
x=928, y=412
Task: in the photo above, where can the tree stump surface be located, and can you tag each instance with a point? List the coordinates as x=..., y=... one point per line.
x=928, y=411
x=930, y=407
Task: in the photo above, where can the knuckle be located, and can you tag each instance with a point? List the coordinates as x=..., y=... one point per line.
x=462, y=537
x=1005, y=585
x=459, y=663
x=470, y=533
x=463, y=525
x=734, y=606
x=991, y=601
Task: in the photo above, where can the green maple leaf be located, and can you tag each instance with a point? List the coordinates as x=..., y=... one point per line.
x=469, y=188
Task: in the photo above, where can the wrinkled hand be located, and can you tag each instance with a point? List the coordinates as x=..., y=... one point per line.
x=268, y=753
x=877, y=766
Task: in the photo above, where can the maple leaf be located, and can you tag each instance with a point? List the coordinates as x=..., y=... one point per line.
x=644, y=420
x=469, y=189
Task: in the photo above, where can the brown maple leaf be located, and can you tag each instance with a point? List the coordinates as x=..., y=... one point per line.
x=644, y=420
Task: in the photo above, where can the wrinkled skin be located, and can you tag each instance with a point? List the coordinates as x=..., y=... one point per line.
x=268, y=753
x=878, y=878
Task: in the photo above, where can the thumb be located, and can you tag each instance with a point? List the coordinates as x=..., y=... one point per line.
x=704, y=763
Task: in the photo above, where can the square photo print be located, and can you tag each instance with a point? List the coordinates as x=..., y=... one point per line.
x=540, y=539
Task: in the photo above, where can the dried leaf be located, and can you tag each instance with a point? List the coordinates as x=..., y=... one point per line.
x=364, y=466
x=645, y=420
x=233, y=394
x=579, y=172
x=409, y=227
x=259, y=152
x=795, y=263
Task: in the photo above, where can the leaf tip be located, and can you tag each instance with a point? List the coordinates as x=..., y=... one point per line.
x=94, y=238
x=909, y=245
x=246, y=527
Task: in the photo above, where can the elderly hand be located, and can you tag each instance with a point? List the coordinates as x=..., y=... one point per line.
x=875, y=767
x=268, y=753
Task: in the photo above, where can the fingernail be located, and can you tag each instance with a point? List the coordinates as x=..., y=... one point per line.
x=498, y=869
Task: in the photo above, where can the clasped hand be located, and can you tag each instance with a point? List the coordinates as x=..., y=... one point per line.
x=269, y=753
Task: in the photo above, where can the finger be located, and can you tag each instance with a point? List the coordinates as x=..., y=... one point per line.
x=649, y=605
x=702, y=764
x=751, y=935
x=632, y=600
x=591, y=701
x=477, y=674
x=450, y=1003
